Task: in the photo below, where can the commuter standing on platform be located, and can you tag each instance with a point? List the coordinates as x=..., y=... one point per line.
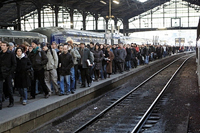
x=22, y=80
x=114, y=63
x=84, y=64
x=74, y=70
x=98, y=57
x=65, y=65
x=7, y=67
x=109, y=61
x=38, y=59
x=121, y=55
x=50, y=73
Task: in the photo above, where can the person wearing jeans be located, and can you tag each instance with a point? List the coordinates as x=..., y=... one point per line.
x=62, y=84
x=65, y=65
x=22, y=80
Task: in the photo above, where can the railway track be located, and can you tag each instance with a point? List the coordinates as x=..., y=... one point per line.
x=130, y=112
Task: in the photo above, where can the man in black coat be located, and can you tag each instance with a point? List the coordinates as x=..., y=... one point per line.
x=114, y=63
x=38, y=59
x=7, y=67
x=86, y=58
x=121, y=55
x=65, y=65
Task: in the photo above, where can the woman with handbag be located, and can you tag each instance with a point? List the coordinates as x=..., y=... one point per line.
x=22, y=79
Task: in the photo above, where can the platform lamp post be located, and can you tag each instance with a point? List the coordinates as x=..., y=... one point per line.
x=109, y=18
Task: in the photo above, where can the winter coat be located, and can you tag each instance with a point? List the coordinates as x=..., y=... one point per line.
x=75, y=55
x=7, y=64
x=65, y=64
x=128, y=56
x=147, y=51
x=134, y=53
x=52, y=60
x=115, y=53
x=22, y=79
x=98, y=57
x=109, y=63
x=121, y=55
x=85, y=55
x=38, y=59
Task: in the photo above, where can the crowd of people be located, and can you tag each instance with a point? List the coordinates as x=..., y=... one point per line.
x=58, y=68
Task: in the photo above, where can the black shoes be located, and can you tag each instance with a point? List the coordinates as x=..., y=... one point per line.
x=47, y=96
x=89, y=84
x=10, y=105
x=82, y=86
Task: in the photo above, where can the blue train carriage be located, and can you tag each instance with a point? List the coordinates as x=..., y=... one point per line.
x=62, y=35
x=20, y=36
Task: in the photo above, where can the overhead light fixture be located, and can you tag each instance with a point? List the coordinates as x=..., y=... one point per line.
x=103, y=2
x=142, y=1
x=116, y=1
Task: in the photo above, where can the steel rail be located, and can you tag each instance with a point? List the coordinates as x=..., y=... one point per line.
x=122, y=98
x=142, y=120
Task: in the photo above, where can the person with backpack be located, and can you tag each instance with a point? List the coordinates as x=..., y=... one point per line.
x=38, y=59
x=50, y=73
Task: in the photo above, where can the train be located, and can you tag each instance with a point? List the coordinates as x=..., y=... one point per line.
x=62, y=35
x=20, y=36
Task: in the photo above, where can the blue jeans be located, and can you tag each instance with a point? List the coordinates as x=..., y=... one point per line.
x=23, y=93
x=72, y=77
x=103, y=71
x=164, y=54
x=62, y=83
x=128, y=65
x=147, y=60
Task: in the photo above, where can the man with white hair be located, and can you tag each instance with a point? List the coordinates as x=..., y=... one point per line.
x=65, y=65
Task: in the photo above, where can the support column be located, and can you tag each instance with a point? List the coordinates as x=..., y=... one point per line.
x=139, y=21
x=96, y=21
x=163, y=16
x=84, y=20
x=43, y=17
x=106, y=24
x=125, y=26
x=71, y=18
x=115, y=20
x=39, y=16
x=188, y=14
x=56, y=14
x=151, y=19
x=18, y=16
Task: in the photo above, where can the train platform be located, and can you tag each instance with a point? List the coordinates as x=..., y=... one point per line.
x=40, y=110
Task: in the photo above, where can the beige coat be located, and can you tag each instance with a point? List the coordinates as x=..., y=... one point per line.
x=109, y=63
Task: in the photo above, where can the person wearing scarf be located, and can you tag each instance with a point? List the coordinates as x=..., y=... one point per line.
x=22, y=80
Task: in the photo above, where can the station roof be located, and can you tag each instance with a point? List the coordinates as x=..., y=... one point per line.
x=125, y=10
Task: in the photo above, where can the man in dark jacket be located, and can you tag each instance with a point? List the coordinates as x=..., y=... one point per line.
x=38, y=59
x=121, y=55
x=84, y=63
x=65, y=65
x=7, y=67
x=114, y=63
